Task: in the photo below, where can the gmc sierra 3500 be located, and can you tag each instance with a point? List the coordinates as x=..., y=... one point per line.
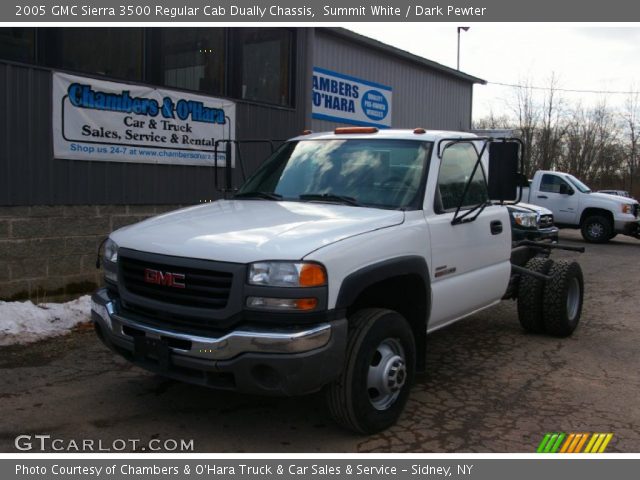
x=328, y=268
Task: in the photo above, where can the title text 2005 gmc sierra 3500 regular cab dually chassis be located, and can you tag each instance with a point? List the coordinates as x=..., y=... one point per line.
x=329, y=267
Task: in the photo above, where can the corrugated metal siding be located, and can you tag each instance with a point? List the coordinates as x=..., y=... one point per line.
x=29, y=175
x=422, y=97
x=262, y=121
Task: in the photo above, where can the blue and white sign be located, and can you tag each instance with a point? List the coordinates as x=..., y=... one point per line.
x=120, y=122
x=341, y=98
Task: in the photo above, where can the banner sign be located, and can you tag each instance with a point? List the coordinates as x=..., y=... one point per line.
x=328, y=11
x=118, y=122
x=411, y=467
x=341, y=98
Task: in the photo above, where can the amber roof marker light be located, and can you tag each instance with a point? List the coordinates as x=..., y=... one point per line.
x=347, y=130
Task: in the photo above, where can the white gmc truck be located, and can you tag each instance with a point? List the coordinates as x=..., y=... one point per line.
x=599, y=216
x=328, y=268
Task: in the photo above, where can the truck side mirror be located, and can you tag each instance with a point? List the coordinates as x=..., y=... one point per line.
x=504, y=178
x=566, y=189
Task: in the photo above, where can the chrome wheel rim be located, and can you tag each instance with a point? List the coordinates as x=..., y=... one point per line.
x=596, y=230
x=573, y=299
x=387, y=374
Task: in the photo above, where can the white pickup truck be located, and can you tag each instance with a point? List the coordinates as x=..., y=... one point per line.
x=599, y=216
x=328, y=268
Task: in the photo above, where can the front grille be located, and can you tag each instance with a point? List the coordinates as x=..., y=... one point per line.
x=166, y=320
x=545, y=221
x=202, y=288
x=636, y=210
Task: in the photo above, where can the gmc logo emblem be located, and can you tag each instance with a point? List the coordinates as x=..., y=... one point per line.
x=167, y=279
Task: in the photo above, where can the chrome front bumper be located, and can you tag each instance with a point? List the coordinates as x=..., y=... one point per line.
x=278, y=361
x=207, y=348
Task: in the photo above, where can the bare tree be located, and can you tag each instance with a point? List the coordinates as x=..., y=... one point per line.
x=590, y=146
x=552, y=130
x=585, y=141
x=493, y=122
x=527, y=117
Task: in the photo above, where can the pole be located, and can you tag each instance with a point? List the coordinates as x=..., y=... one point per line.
x=465, y=29
x=458, y=68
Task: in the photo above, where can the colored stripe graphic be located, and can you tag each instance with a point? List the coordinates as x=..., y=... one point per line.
x=574, y=442
x=606, y=441
x=556, y=446
x=567, y=442
x=577, y=440
x=543, y=443
x=592, y=440
x=598, y=442
x=583, y=440
x=550, y=443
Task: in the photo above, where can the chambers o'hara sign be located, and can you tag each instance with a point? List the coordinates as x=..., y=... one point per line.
x=109, y=121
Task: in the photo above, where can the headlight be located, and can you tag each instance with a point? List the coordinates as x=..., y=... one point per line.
x=525, y=219
x=110, y=251
x=287, y=274
x=627, y=208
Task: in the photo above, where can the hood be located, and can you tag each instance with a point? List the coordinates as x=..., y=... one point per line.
x=615, y=198
x=246, y=231
x=529, y=207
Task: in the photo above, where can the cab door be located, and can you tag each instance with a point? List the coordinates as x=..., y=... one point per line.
x=470, y=262
x=557, y=195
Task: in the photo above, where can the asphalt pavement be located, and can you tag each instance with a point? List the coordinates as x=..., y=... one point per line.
x=489, y=387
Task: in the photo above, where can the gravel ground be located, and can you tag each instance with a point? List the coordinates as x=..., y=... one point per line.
x=489, y=386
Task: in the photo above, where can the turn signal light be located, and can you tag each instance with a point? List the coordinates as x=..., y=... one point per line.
x=312, y=275
x=306, y=303
x=347, y=130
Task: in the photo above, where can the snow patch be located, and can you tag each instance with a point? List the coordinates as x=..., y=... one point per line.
x=24, y=322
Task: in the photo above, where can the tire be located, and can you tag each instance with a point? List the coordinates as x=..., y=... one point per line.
x=563, y=297
x=380, y=345
x=530, y=293
x=596, y=229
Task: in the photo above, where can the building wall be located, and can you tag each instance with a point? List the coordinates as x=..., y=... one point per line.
x=54, y=212
x=49, y=252
x=29, y=175
x=422, y=96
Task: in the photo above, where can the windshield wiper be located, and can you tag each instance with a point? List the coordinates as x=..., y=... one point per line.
x=330, y=197
x=261, y=195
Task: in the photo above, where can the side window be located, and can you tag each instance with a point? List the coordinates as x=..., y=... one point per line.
x=456, y=168
x=551, y=183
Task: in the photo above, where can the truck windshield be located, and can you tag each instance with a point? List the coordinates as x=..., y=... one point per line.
x=377, y=173
x=578, y=184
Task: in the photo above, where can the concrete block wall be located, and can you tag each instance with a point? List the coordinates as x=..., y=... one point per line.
x=48, y=253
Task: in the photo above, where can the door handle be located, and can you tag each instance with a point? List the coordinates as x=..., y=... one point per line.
x=496, y=227
x=542, y=196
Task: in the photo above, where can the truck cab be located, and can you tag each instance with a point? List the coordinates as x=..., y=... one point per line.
x=327, y=269
x=600, y=216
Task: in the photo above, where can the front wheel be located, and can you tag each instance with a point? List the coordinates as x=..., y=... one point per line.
x=596, y=229
x=373, y=387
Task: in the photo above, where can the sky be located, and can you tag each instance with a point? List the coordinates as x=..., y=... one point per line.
x=580, y=57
